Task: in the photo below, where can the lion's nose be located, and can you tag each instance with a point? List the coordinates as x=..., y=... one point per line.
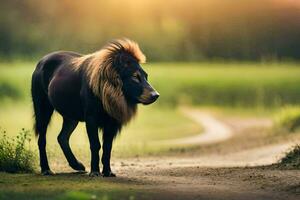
x=154, y=95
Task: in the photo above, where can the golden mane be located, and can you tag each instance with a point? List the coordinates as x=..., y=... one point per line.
x=105, y=81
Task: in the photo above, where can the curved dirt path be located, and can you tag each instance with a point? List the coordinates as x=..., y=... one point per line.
x=213, y=130
x=213, y=174
x=235, y=175
x=258, y=156
x=220, y=177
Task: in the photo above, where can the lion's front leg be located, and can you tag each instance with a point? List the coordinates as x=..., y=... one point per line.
x=92, y=131
x=108, y=136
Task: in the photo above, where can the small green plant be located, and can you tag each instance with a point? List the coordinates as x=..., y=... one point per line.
x=15, y=154
x=287, y=119
x=291, y=159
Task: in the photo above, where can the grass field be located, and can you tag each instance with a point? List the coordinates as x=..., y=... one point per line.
x=79, y=187
x=151, y=124
x=229, y=84
x=246, y=87
x=238, y=85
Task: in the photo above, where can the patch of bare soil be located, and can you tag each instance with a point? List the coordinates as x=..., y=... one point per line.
x=213, y=183
x=238, y=167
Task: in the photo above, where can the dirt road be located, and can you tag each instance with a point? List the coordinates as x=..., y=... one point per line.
x=215, y=175
x=213, y=130
x=230, y=160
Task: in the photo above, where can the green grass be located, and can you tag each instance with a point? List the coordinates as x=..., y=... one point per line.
x=287, y=120
x=15, y=80
x=239, y=85
x=68, y=186
x=151, y=124
x=253, y=86
x=231, y=84
x=224, y=84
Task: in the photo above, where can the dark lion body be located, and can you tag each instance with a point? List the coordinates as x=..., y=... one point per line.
x=98, y=89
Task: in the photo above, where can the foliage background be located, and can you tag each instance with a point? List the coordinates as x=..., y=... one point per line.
x=169, y=30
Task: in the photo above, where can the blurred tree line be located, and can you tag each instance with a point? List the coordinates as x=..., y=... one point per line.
x=169, y=30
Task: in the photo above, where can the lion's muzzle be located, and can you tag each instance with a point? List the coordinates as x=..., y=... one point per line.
x=149, y=95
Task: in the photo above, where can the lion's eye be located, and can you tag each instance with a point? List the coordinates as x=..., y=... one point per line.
x=136, y=78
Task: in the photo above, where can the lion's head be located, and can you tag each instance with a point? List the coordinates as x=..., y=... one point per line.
x=117, y=78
